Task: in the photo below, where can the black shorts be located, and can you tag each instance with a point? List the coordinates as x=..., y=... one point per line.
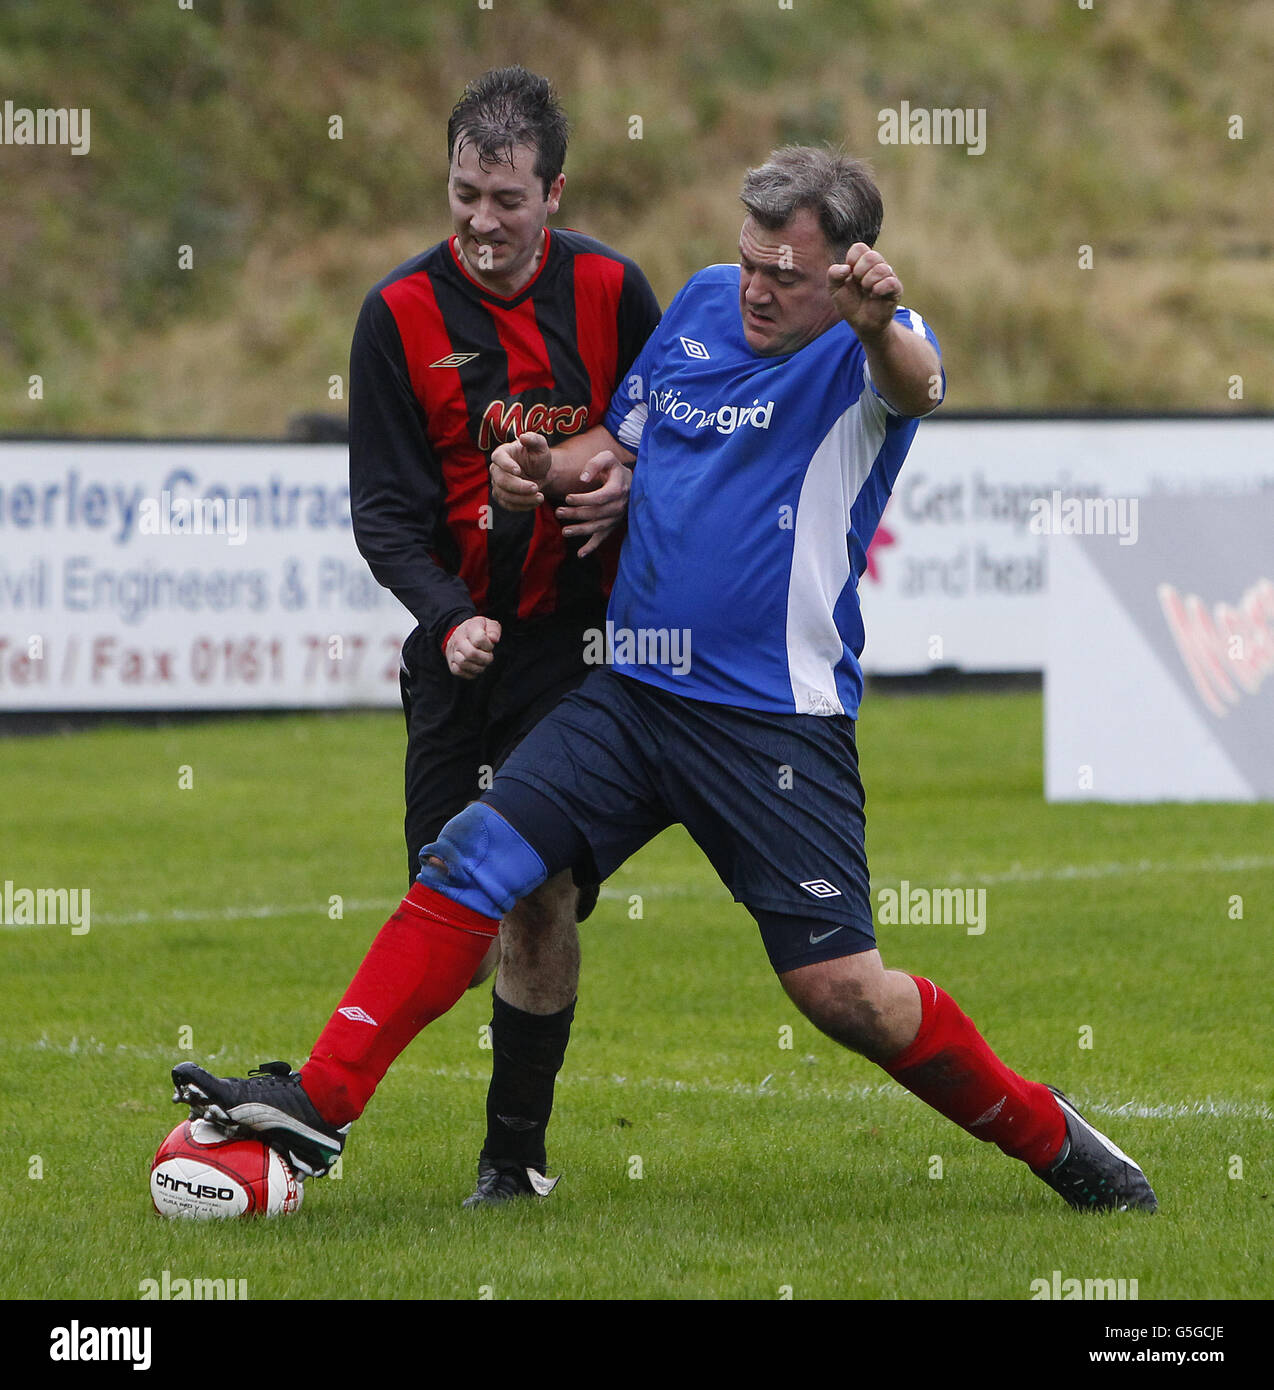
x=460, y=731
x=773, y=800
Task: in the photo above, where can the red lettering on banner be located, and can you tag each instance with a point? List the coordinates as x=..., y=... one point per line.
x=131, y=665
x=18, y=667
x=1229, y=642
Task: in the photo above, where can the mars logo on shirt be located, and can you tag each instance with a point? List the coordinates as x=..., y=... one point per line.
x=501, y=422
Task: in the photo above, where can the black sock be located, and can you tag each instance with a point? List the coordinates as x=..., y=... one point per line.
x=527, y=1054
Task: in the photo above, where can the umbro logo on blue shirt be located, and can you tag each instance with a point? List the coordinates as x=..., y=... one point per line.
x=695, y=349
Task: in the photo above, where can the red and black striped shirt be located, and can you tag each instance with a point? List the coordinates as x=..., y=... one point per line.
x=442, y=371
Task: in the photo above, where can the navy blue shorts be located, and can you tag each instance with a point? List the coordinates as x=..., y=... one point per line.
x=773, y=800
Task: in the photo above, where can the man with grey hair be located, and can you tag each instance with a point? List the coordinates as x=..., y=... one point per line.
x=840, y=191
x=768, y=416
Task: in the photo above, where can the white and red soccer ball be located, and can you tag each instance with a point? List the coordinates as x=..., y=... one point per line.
x=200, y=1171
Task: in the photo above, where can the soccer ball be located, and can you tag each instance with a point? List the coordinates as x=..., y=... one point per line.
x=200, y=1171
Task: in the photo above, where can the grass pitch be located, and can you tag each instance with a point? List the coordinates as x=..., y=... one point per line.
x=707, y=1152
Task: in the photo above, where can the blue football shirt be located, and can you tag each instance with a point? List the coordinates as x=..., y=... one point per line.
x=758, y=486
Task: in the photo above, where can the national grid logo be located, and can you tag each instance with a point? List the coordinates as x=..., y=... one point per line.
x=725, y=418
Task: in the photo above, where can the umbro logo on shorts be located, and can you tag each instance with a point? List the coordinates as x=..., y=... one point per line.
x=820, y=888
x=695, y=349
x=455, y=359
x=357, y=1015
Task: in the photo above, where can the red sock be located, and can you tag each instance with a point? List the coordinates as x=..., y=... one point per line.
x=418, y=966
x=950, y=1067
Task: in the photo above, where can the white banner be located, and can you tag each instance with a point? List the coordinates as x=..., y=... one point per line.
x=187, y=576
x=1160, y=680
x=166, y=576
x=957, y=577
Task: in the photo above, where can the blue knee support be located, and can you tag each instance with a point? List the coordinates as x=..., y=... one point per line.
x=486, y=865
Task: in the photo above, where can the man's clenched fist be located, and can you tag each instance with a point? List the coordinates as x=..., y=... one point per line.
x=864, y=289
x=471, y=647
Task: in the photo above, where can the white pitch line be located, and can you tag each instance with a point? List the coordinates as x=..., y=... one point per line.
x=1208, y=1108
x=1016, y=874
x=224, y=914
x=1067, y=872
